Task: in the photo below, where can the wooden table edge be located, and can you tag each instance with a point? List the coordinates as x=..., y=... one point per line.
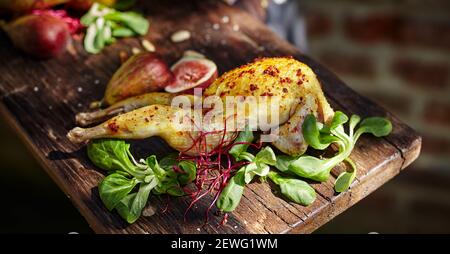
x=43, y=161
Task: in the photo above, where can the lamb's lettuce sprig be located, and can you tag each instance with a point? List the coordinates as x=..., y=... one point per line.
x=130, y=183
x=320, y=136
x=105, y=24
x=293, y=189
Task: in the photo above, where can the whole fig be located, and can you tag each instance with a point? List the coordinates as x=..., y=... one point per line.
x=42, y=36
x=14, y=7
x=142, y=73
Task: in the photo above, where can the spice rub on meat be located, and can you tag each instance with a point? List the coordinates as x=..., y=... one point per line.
x=294, y=83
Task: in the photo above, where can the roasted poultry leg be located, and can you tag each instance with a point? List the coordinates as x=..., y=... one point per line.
x=293, y=83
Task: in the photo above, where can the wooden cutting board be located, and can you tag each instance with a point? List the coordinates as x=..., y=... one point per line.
x=40, y=99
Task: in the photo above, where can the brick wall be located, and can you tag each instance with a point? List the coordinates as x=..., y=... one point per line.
x=396, y=52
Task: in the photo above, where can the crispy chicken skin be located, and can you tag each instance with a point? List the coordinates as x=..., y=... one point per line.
x=292, y=83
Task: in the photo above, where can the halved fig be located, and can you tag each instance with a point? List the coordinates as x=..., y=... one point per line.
x=192, y=72
x=142, y=73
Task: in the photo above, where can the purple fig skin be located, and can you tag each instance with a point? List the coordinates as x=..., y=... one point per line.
x=142, y=73
x=16, y=7
x=42, y=36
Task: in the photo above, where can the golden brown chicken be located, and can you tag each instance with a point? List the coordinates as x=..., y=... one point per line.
x=291, y=84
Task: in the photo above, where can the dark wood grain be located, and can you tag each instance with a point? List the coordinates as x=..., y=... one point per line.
x=40, y=99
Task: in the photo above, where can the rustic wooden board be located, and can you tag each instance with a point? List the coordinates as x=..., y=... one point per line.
x=40, y=99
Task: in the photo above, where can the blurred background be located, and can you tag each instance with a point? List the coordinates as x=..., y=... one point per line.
x=396, y=52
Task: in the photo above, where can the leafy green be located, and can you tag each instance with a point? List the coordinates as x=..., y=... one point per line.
x=320, y=136
x=242, y=143
x=109, y=154
x=295, y=190
x=152, y=163
x=259, y=164
x=114, y=188
x=169, y=185
x=132, y=20
x=189, y=172
x=377, y=126
x=118, y=190
x=89, y=40
x=232, y=193
x=130, y=207
x=354, y=120
x=169, y=161
x=122, y=32
x=313, y=136
x=283, y=162
x=313, y=168
x=345, y=179
x=339, y=119
x=104, y=24
x=266, y=156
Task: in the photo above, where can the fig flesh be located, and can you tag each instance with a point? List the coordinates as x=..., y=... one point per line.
x=192, y=72
x=42, y=36
x=142, y=73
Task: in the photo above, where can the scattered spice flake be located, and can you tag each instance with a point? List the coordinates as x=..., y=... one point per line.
x=285, y=90
x=249, y=71
x=285, y=80
x=235, y=27
x=272, y=71
x=253, y=87
x=113, y=126
x=216, y=26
